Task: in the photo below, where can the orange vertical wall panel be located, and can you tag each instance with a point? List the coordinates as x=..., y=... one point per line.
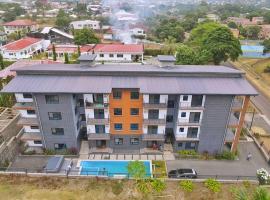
x=126, y=103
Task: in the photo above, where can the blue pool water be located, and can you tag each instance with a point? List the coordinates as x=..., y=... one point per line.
x=109, y=168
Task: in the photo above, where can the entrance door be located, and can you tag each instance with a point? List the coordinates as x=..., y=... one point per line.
x=169, y=135
x=101, y=143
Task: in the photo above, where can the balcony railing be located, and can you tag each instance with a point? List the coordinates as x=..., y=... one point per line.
x=153, y=137
x=183, y=138
x=154, y=105
x=24, y=106
x=189, y=122
x=97, y=121
x=28, y=121
x=96, y=105
x=98, y=136
x=154, y=121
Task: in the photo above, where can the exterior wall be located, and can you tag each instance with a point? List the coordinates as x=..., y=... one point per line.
x=20, y=98
x=67, y=108
x=182, y=145
x=126, y=119
x=126, y=57
x=12, y=29
x=126, y=147
x=214, y=123
x=28, y=129
x=86, y=24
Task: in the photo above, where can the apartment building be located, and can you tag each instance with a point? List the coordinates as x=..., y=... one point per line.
x=23, y=25
x=127, y=108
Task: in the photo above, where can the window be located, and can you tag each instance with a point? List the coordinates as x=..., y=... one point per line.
x=57, y=131
x=185, y=97
x=118, y=141
x=31, y=112
x=154, y=98
x=153, y=114
x=98, y=98
x=134, y=111
x=118, y=127
x=169, y=118
x=183, y=114
x=99, y=113
x=37, y=142
x=55, y=116
x=134, y=95
x=134, y=141
x=117, y=94
x=100, y=128
x=117, y=111
x=120, y=55
x=111, y=55
x=180, y=144
x=52, y=99
x=34, y=127
x=27, y=96
x=101, y=55
x=181, y=130
x=60, y=146
x=134, y=127
x=170, y=104
x=152, y=130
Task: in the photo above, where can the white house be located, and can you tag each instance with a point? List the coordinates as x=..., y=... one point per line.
x=119, y=52
x=20, y=25
x=138, y=32
x=85, y=24
x=24, y=48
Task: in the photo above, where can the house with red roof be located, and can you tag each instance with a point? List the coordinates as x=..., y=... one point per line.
x=24, y=25
x=24, y=48
x=119, y=52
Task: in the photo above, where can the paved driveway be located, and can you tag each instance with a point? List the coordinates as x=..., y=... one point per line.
x=240, y=167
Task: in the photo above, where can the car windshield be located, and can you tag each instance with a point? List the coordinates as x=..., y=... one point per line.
x=172, y=172
x=185, y=171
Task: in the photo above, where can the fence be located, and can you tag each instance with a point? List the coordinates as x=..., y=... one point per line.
x=106, y=174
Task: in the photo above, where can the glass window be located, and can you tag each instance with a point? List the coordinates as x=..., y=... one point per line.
x=100, y=128
x=169, y=118
x=101, y=55
x=170, y=104
x=111, y=55
x=27, y=96
x=99, y=113
x=54, y=115
x=98, y=98
x=118, y=141
x=153, y=114
x=120, y=55
x=34, y=127
x=154, y=98
x=185, y=97
x=52, y=99
x=117, y=111
x=183, y=114
x=118, y=127
x=117, y=94
x=37, y=142
x=60, y=146
x=31, y=112
x=134, y=95
x=181, y=130
x=152, y=130
x=58, y=131
x=134, y=111
x=180, y=144
x=134, y=141
x=134, y=127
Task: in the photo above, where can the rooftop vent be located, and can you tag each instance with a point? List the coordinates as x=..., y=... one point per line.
x=166, y=60
x=87, y=60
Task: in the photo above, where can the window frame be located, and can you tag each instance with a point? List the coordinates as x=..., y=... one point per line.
x=56, y=132
x=116, y=94
x=136, y=97
x=50, y=101
x=117, y=109
x=132, y=142
x=132, y=124
x=118, y=129
x=120, y=141
x=52, y=118
x=30, y=112
x=137, y=113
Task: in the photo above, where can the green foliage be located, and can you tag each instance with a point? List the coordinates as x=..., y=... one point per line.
x=85, y=36
x=136, y=169
x=79, y=51
x=159, y=169
x=240, y=194
x=117, y=187
x=69, y=151
x=267, y=69
x=54, y=53
x=266, y=44
x=252, y=32
x=186, y=185
x=158, y=185
x=154, y=52
x=2, y=66
x=261, y=194
x=246, y=184
x=144, y=186
x=12, y=10
x=226, y=155
x=232, y=24
x=7, y=100
x=188, y=154
x=213, y=185
x=66, y=58
x=62, y=20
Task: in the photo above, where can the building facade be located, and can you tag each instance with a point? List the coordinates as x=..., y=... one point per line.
x=95, y=25
x=20, y=25
x=127, y=108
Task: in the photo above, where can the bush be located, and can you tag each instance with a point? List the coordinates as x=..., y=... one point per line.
x=49, y=152
x=144, y=186
x=246, y=184
x=188, y=153
x=186, y=185
x=32, y=152
x=261, y=194
x=213, y=185
x=153, y=52
x=263, y=176
x=158, y=185
x=226, y=155
x=117, y=187
x=267, y=69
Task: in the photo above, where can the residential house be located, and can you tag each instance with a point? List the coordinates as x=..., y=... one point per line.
x=132, y=108
x=107, y=34
x=24, y=48
x=22, y=25
x=95, y=25
x=57, y=36
x=3, y=38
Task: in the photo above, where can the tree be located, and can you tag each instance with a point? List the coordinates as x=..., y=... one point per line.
x=170, y=46
x=252, y=32
x=232, y=24
x=266, y=17
x=9, y=16
x=266, y=44
x=54, y=53
x=85, y=36
x=79, y=50
x=2, y=66
x=136, y=169
x=62, y=20
x=66, y=58
x=222, y=45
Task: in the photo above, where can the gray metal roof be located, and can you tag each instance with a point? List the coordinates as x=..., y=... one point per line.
x=166, y=58
x=146, y=84
x=86, y=57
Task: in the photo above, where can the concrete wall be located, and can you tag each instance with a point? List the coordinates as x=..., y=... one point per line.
x=214, y=123
x=66, y=106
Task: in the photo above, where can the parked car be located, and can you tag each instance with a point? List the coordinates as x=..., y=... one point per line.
x=182, y=173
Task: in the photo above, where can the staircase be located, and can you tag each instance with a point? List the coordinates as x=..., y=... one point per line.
x=168, y=152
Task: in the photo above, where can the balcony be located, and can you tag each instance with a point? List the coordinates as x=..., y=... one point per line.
x=187, y=138
x=24, y=106
x=98, y=136
x=189, y=122
x=96, y=105
x=154, y=121
x=28, y=121
x=153, y=137
x=97, y=121
x=154, y=105
x=31, y=136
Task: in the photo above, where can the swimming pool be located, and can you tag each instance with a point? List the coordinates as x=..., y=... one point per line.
x=110, y=168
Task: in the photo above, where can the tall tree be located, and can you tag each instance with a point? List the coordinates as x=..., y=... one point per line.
x=62, y=20
x=2, y=66
x=54, y=52
x=85, y=36
x=79, y=50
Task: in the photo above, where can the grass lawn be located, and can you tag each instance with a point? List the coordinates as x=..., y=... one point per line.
x=49, y=188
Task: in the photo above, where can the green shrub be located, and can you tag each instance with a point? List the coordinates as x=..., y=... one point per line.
x=261, y=194
x=32, y=152
x=240, y=194
x=117, y=187
x=158, y=185
x=49, y=152
x=213, y=185
x=186, y=185
x=144, y=186
x=226, y=155
x=246, y=184
x=153, y=52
